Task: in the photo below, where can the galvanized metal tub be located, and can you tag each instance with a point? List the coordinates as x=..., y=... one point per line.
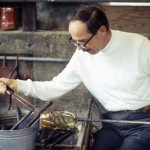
x=20, y=139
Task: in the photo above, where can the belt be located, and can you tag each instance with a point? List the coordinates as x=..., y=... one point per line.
x=146, y=108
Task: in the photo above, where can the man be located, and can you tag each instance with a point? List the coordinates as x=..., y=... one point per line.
x=115, y=67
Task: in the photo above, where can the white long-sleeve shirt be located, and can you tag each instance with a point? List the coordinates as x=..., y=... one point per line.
x=118, y=75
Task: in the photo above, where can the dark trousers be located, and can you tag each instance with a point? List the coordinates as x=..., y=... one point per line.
x=122, y=136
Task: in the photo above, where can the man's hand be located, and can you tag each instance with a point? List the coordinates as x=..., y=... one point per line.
x=6, y=82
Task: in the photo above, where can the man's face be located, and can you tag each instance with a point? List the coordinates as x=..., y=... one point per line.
x=81, y=38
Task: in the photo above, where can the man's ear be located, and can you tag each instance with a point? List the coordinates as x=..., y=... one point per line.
x=102, y=30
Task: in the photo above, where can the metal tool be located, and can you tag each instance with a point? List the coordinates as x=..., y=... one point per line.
x=18, y=113
x=21, y=120
x=30, y=107
x=16, y=69
x=113, y=121
x=64, y=119
x=49, y=138
x=17, y=76
x=20, y=99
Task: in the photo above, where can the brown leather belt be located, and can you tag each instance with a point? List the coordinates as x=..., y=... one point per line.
x=146, y=108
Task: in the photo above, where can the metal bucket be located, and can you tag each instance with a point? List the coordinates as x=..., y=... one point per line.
x=21, y=139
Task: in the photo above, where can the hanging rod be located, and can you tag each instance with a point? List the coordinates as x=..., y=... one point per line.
x=34, y=59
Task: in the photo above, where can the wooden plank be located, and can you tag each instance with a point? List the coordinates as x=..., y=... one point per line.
x=130, y=19
x=29, y=16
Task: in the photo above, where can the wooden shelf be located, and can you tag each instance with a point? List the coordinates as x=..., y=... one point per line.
x=29, y=10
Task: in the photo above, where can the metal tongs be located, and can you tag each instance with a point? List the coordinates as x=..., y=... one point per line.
x=31, y=107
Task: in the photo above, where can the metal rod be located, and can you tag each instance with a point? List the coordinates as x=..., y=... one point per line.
x=112, y=121
x=19, y=98
x=21, y=102
x=18, y=114
x=18, y=123
x=34, y=59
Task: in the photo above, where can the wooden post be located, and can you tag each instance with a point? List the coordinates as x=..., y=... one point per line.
x=29, y=16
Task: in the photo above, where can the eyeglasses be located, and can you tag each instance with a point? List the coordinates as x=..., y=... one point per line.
x=82, y=46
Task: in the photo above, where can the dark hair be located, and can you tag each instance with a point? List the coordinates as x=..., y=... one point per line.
x=92, y=15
